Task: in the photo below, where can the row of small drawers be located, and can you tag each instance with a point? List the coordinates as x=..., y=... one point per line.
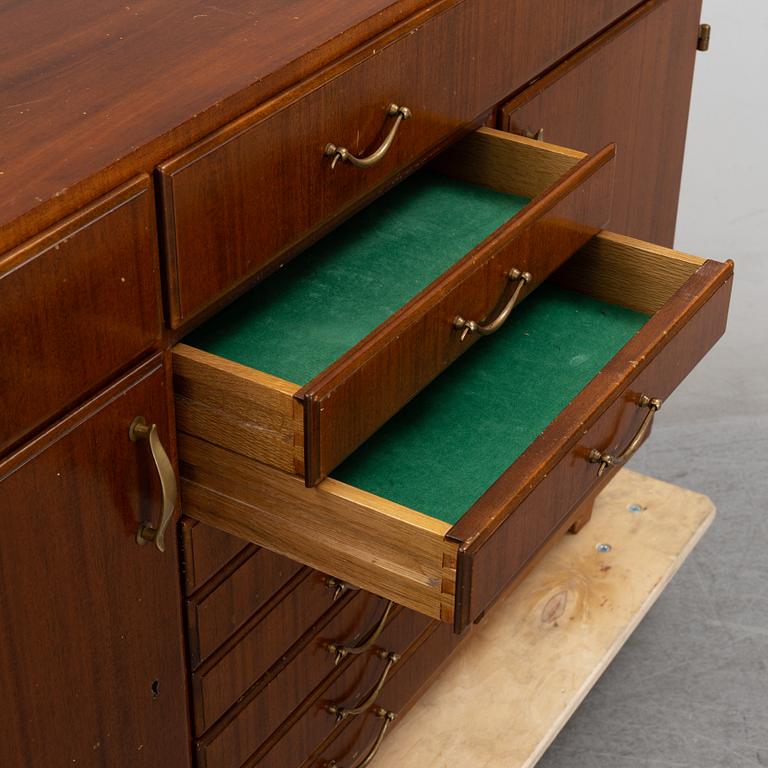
x=264, y=635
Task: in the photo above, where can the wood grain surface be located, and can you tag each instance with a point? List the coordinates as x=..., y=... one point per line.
x=635, y=83
x=205, y=551
x=79, y=303
x=260, y=648
x=218, y=611
x=91, y=645
x=376, y=544
x=132, y=84
x=267, y=704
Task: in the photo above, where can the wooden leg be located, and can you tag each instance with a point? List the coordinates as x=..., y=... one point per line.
x=583, y=513
x=583, y=516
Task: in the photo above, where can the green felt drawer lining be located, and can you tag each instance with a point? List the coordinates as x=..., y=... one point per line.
x=308, y=314
x=443, y=450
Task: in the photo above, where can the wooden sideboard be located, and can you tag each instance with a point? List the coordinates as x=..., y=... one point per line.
x=159, y=159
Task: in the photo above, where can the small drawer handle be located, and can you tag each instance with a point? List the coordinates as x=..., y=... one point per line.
x=342, y=651
x=344, y=712
x=388, y=718
x=606, y=460
x=342, y=153
x=140, y=430
x=484, y=329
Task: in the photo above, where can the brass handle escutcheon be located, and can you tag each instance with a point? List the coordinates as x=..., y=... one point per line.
x=483, y=329
x=388, y=718
x=342, y=153
x=342, y=651
x=140, y=430
x=606, y=460
x=339, y=587
x=344, y=712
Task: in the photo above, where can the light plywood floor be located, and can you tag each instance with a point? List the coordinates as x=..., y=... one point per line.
x=508, y=690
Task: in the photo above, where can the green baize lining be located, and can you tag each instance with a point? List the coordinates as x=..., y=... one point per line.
x=309, y=313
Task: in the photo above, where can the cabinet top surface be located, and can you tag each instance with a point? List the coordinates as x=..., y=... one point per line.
x=94, y=84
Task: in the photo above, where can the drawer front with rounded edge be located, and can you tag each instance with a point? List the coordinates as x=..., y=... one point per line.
x=443, y=506
x=78, y=303
x=249, y=196
x=355, y=685
x=361, y=737
x=205, y=551
x=264, y=644
x=217, y=611
x=302, y=370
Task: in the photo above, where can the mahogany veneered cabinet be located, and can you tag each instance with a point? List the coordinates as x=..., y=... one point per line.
x=432, y=171
x=90, y=673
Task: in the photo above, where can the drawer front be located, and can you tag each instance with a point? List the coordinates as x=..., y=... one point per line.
x=77, y=304
x=637, y=73
x=251, y=194
x=419, y=667
x=452, y=570
x=263, y=644
x=214, y=614
x=605, y=417
x=205, y=551
x=312, y=722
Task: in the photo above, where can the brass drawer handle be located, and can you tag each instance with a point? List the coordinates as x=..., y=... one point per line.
x=140, y=430
x=342, y=153
x=342, y=651
x=388, y=718
x=483, y=329
x=344, y=712
x=606, y=460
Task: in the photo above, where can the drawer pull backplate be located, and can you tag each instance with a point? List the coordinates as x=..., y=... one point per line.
x=342, y=153
x=609, y=460
x=484, y=329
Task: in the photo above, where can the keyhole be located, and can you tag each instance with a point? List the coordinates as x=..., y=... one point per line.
x=155, y=688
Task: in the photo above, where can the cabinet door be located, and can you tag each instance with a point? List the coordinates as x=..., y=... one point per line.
x=91, y=661
x=630, y=86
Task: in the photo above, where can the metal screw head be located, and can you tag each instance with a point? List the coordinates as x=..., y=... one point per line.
x=634, y=508
x=602, y=548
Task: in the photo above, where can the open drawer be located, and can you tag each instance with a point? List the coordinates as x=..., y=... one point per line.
x=299, y=372
x=447, y=502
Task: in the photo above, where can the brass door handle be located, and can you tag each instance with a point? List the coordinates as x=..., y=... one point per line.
x=606, y=460
x=342, y=651
x=140, y=430
x=344, y=712
x=388, y=718
x=484, y=329
x=342, y=153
